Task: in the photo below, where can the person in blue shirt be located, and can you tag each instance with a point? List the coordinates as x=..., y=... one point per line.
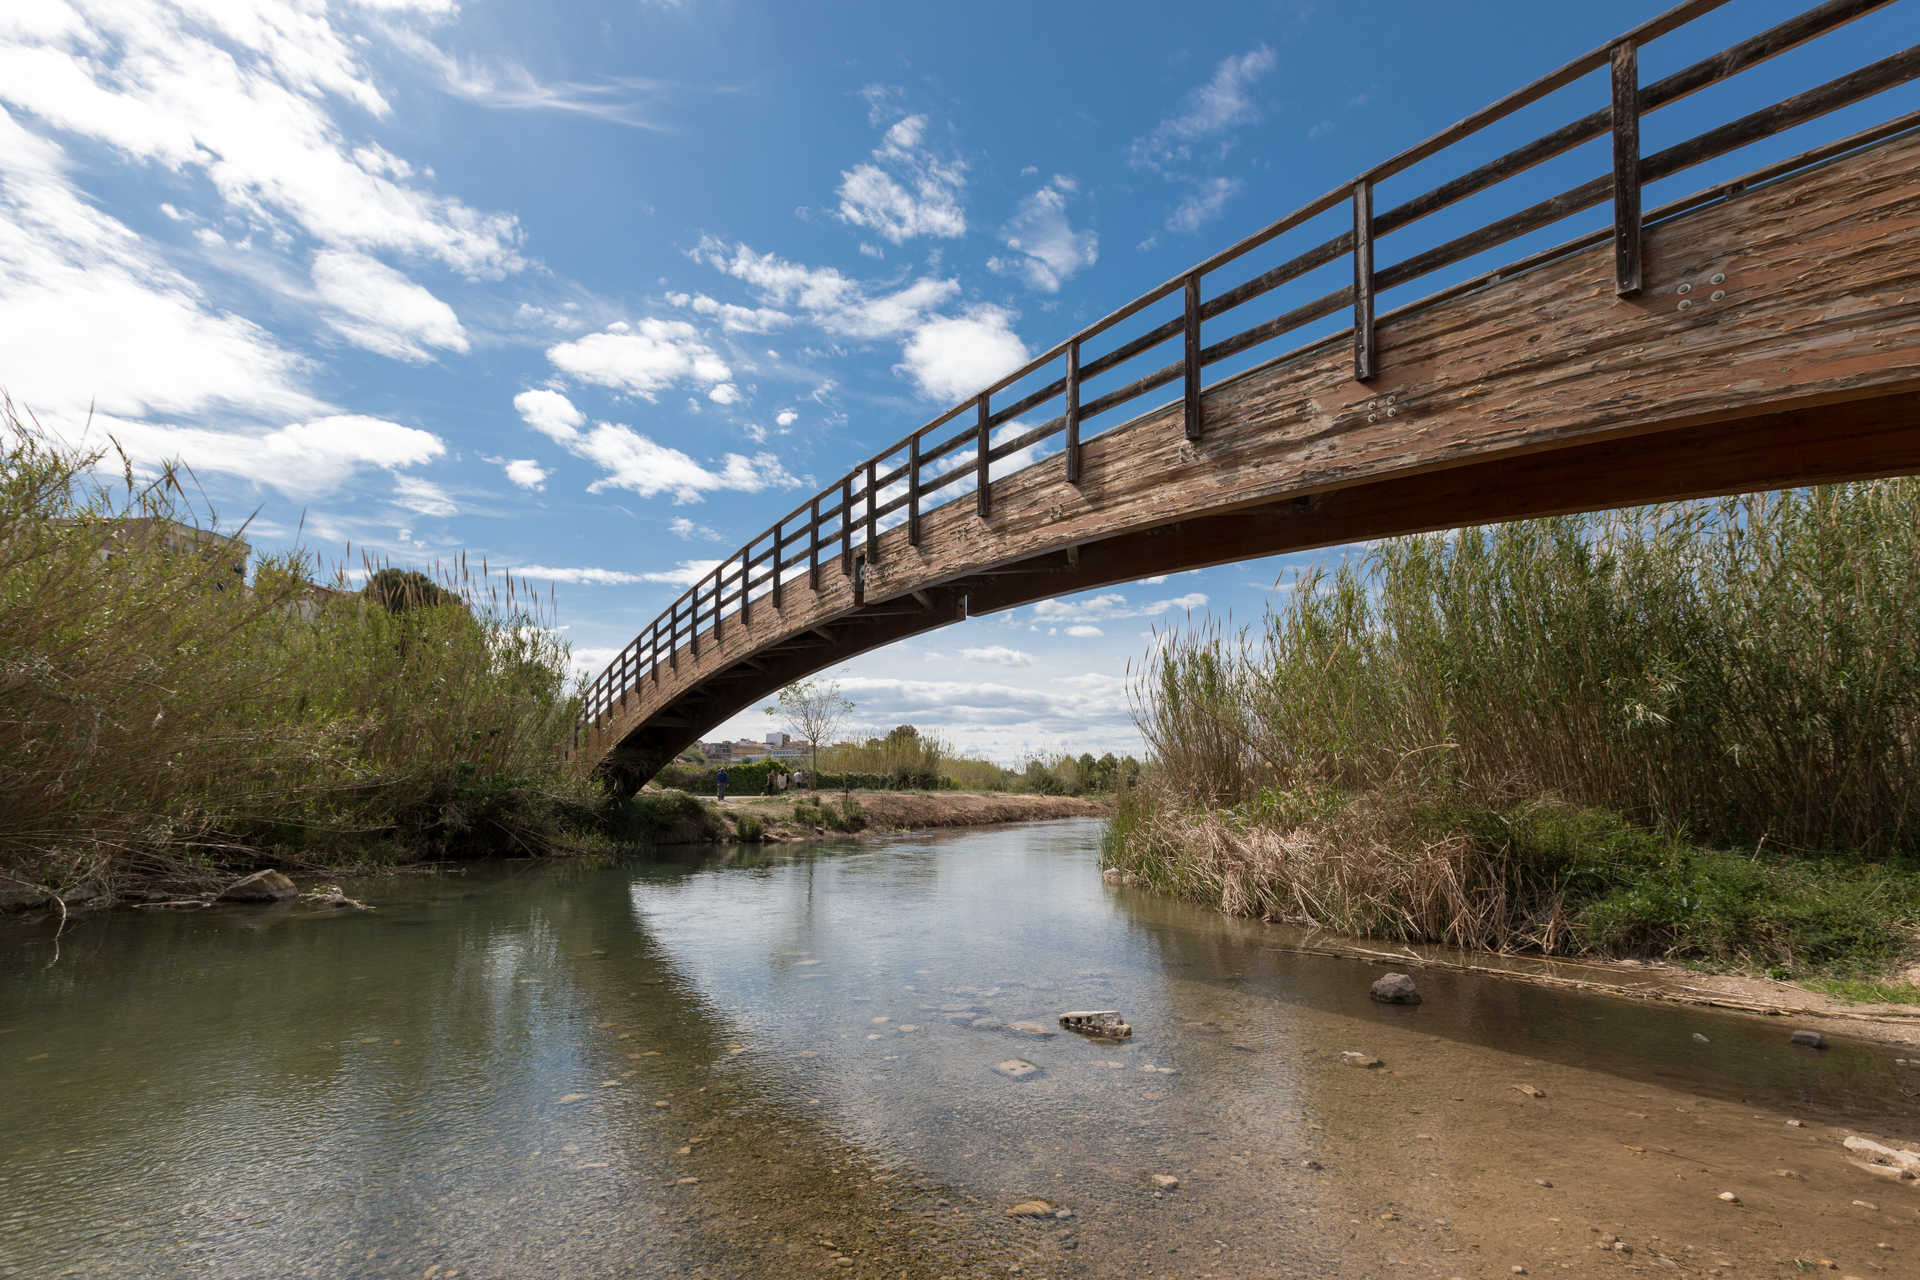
x=720, y=785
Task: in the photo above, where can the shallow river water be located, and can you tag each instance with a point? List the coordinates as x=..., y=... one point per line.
x=769, y=1064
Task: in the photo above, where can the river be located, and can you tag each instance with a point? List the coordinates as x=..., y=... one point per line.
x=771, y=1063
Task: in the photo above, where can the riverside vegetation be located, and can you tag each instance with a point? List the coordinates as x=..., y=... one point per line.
x=1685, y=731
x=168, y=721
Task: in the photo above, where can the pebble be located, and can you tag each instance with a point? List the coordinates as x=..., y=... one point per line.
x=1016, y=1068
x=1864, y=1204
x=1729, y=1197
x=1530, y=1091
x=1354, y=1058
x=1543, y=1182
x=1029, y=1028
x=1517, y=1270
x=1700, y=1039
x=1035, y=1208
x=566, y=1099
x=1811, y=1039
x=1165, y=1181
x=1796, y=1124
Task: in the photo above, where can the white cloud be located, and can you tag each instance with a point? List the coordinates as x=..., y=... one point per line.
x=242, y=96
x=423, y=497
x=786, y=417
x=842, y=306
x=1203, y=205
x=685, y=574
x=1211, y=109
x=503, y=84
x=1110, y=605
x=733, y=317
x=682, y=527
x=998, y=655
x=1078, y=712
x=526, y=473
x=904, y=190
x=376, y=307
x=726, y=393
x=642, y=358
x=551, y=414
x=91, y=316
x=637, y=463
x=300, y=459
x=952, y=358
x=1046, y=248
x=1084, y=631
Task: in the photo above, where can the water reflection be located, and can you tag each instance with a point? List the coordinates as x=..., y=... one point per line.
x=757, y=1062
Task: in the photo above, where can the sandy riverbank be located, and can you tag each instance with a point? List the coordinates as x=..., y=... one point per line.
x=891, y=811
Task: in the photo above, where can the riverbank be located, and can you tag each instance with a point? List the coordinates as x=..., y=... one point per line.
x=813, y=815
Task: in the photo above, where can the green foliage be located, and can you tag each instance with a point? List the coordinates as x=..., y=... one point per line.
x=849, y=816
x=157, y=716
x=649, y=818
x=747, y=828
x=1558, y=734
x=401, y=590
x=1864, y=991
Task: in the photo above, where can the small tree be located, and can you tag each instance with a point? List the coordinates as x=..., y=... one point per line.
x=813, y=710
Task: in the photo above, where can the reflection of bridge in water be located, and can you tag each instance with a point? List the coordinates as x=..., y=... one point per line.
x=1759, y=332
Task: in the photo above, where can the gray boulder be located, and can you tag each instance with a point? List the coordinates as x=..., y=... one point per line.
x=1396, y=988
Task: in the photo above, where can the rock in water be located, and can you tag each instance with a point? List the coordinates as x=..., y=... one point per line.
x=1354, y=1058
x=261, y=886
x=1017, y=1069
x=1104, y=1023
x=1035, y=1208
x=1027, y=1027
x=1811, y=1039
x=1396, y=988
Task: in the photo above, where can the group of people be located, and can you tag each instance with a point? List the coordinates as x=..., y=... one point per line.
x=777, y=781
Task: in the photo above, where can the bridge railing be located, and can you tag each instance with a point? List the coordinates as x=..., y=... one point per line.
x=940, y=462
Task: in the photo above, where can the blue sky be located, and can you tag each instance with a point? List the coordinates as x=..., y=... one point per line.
x=596, y=290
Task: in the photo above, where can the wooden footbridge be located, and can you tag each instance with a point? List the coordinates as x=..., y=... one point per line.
x=1761, y=332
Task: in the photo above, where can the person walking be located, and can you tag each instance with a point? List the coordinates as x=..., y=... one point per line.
x=720, y=784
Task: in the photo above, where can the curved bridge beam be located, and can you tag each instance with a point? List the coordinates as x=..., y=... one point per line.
x=1540, y=394
x=1760, y=333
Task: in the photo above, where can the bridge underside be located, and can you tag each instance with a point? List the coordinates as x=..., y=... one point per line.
x=1795, y=360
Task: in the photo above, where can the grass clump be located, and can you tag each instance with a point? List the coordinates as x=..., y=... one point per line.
x=816, y=812
x=1686, y=730
x=167, y=716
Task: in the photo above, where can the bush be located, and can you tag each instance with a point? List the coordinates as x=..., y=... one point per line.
x=160, y=716
x=1560, y=734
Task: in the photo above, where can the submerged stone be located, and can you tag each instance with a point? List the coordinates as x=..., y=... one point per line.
x=261, y=886
x=1395, y=988
x=1106, y=1024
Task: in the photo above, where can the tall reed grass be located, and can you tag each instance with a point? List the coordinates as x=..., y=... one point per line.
x=161, y=719
x=1743, y=673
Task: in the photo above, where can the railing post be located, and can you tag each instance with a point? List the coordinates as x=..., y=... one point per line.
x=873, y=507
x=746, y=584
x=846, y=524
x=1363, y=280
x=673, y=636
x=693, y=621
x=813, y=547
x=1193, y=356
x=913, y=489
x=983, y=487
x=1073, y=412
x=653, y=649
x=1626, y=169
x=778, y=542
x=719, y=579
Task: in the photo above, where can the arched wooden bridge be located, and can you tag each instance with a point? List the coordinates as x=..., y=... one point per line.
x=1761, y=332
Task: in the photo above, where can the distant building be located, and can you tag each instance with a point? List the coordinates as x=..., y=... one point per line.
x=124, y=535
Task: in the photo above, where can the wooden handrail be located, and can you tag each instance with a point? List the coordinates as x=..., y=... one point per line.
x=1629, y=173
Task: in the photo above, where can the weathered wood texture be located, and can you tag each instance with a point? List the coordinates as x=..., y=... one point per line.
x=1776, y=340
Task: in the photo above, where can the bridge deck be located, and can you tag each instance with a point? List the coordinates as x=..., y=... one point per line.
x=1771, y=337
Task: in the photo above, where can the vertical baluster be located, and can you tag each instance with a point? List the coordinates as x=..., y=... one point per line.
x=913, y=489
x=1073, y=412
x=1363, y=279
x=693, y=620
x=746, y=585
x=813, y=547
x=1626, y=169
x=873, y=511
x=719, y=590
x=846, y=524
x=983, y=487
x=1193, y=356
x=779, y=544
